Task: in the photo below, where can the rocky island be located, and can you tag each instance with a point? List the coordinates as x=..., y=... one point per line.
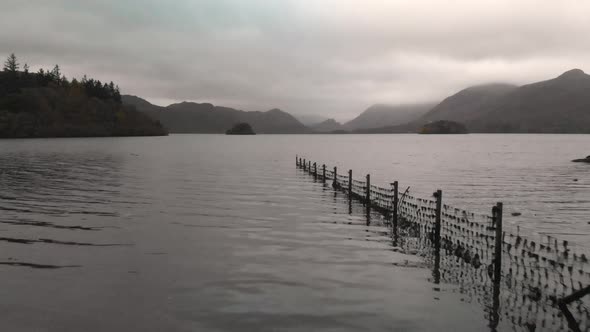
x=241, y=129
x=444, y=127
x=584, y=160
x=47, y=104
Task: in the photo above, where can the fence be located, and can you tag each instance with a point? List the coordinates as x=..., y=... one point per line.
x=535, y=281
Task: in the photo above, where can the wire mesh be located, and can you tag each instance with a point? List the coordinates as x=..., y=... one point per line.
x=536, y=270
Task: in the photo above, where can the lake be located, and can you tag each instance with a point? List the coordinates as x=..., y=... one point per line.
x=218, y=233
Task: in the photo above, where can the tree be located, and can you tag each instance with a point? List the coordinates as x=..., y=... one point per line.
x=11, y=65
x=56, y=74
x=26, y=69
x=117, y=94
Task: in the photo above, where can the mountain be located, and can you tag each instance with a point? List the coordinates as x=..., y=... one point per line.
x=310, y=120
x=189, y=117
x=467, y=104
x=45, y=104
x=327, y=126
x=559, y=105
x=387, y=115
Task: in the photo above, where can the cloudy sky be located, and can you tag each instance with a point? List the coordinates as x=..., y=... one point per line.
x=328, y=57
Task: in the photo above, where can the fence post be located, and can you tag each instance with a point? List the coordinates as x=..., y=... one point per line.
x=350, y=183
x=309, y=167
x=498, y=244
x=324, y=172
x=395, y=212
x=497, y=220
x=296, y=160
x=368, y=190
x=304, y=164
x=315, y=170
x=437, y=227
x=335, y=181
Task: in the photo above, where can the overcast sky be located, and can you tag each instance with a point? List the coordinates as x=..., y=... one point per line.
x=328, y=57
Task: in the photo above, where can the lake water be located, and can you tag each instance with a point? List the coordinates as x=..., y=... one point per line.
x=217, y=233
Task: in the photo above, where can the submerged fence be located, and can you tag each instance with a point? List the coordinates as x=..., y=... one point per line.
x=533, y=281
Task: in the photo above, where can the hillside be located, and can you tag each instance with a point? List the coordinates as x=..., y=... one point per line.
x=310, y=120
x=327, y=126
x=559, y=105
x=387, y=115
x=45, y=104
x=189, y=117
x=467, y=104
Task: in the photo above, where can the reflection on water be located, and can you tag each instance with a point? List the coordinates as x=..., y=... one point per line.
x=183, y=235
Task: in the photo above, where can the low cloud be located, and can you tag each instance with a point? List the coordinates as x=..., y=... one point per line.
x=328, y=57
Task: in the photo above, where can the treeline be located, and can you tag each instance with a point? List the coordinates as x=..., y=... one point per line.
x=47, y=104
x=15, y=79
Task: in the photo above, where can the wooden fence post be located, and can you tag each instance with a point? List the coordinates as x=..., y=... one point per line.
x=350, y=183
x=437, y=227
x=296, y=160
x=304, y=164
x=395, y=212
x=497, y=220
x=498, y=244
x=324, y=172
x=368, y=190
x=315, y=170
x=335, y=181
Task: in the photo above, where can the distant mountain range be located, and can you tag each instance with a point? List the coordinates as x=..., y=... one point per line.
x=188, y=117
x=559, y=105
x=374, y=117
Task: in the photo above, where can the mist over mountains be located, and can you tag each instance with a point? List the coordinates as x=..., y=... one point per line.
x=559, y=105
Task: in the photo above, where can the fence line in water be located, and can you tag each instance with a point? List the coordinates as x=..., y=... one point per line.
x=541, y=281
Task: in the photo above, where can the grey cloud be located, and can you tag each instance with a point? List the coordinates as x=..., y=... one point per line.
x=331, y=57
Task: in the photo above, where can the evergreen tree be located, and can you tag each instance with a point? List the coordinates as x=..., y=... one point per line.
x=56, y=74
x=26, y=69
x=117, y=94
x=11, y=64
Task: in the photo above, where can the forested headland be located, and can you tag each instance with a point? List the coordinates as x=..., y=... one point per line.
x=47, y=104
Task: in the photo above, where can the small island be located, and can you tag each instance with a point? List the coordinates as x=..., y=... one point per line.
x=241, y=129
x=584, y=160
x=444, y=127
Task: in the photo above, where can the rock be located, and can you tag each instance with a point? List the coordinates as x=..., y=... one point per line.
x=241, y=129
x=516, y=214
x=585, y=160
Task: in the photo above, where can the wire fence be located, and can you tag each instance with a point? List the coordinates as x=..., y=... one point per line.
x=533, y=281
